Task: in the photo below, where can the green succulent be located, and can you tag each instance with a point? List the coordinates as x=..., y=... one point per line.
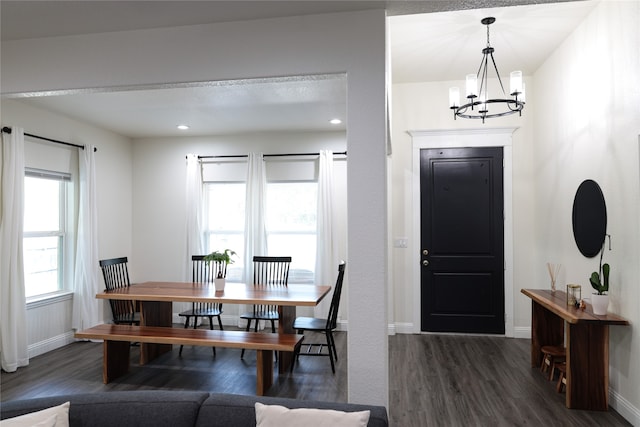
x=221, y=256
x=599, y=285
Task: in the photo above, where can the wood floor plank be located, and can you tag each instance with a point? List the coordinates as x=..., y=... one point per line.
x=434, y=380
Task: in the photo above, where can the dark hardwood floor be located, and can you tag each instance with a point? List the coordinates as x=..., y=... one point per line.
x=434, y=380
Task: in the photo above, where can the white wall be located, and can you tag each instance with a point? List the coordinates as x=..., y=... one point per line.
x=590, y=129
x=582, y=120
x=351, y=43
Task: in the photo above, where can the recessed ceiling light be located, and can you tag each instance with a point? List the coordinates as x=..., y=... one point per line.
x=182, y=127
x=335, y=121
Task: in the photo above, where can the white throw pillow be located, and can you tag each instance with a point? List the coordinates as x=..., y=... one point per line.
x=58, y=416
x=279, y=416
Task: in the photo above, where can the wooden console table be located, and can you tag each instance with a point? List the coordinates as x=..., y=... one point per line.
x=587, y=345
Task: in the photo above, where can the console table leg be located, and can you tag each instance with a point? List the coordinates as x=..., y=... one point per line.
x=546, y=329
x=588, y=367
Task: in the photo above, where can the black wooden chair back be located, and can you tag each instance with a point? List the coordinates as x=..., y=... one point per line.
x=116, y=275
x=272, y=271
x=332, y=319
x=204, y=271
x=326, y=326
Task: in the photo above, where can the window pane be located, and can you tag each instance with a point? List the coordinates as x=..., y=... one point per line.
x=41, y=204
x=226, y=223
x=43, y=240
x=292, y=206
x=302, y=249
x=226, y=206
x=41, y=255
x=291, y=226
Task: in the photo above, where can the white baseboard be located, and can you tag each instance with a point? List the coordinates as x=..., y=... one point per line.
x=402, y=328
x=50, y=344
x=522, y=332
x=624, y=407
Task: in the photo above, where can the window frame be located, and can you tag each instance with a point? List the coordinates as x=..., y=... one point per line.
x=63, y=235
x=209, y=231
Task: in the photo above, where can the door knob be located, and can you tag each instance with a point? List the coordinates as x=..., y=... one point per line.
x=425, y=263
x=425, y=252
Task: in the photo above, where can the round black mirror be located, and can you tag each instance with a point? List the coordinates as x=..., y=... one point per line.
x=589, y=218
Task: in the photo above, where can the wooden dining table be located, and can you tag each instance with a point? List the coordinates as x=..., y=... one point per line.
x=156, y=300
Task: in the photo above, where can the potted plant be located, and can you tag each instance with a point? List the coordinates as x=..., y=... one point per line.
x=222, y=257
x=600, y=282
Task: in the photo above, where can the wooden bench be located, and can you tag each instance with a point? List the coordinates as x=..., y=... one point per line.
x=117, y=339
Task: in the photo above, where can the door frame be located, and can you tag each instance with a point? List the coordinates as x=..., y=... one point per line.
x=460, y=138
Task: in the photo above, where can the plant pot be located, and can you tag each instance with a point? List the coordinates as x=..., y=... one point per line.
x=219, y=283
x=600, y=304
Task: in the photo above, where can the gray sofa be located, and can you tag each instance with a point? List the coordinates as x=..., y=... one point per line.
x=156, y=408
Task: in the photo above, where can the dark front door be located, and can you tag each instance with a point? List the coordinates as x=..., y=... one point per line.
x=462, y=244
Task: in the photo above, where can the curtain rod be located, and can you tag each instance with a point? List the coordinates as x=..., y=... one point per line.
x=8, y=130
x=341, y=153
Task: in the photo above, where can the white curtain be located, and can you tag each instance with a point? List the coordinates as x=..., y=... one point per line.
x=13, y=309
x=86, y=308
x=326, y=247
x=255, y=232
x=195, y=213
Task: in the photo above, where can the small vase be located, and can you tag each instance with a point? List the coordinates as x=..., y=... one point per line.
x=219, y=283
x=600, y=304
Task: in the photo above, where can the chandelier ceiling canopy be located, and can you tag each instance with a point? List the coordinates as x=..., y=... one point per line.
x=479, y=105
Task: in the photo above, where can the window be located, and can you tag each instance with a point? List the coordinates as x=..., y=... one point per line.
x=44, y=238
x=291, y=226
x=225, y=218
x=290, y=223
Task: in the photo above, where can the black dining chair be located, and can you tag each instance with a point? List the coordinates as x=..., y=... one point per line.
x=204, y=271
x=116, y=275
x=326, y=326
x=271, y=271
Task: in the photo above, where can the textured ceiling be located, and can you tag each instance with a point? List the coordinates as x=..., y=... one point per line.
x=429, y=41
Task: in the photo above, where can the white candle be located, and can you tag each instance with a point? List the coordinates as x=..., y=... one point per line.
x=454, y=97
x=472, y=85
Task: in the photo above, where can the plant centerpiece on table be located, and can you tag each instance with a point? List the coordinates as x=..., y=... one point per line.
x=600, y=283
x=222, y=257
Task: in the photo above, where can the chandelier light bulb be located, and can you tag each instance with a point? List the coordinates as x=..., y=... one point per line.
x=516, y=83
x=483, y=102
x=454, y=97
x=522, y=97
x=472, y=85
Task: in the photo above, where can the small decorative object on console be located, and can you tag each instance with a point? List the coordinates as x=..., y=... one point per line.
x=574, y=295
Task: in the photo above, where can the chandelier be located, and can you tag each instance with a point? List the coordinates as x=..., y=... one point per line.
x=479, y=105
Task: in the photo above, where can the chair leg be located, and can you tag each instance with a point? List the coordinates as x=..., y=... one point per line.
x=211, y=327
x=186, y=325
x=220, y=323
x=333, y=366
x=333, y=345
x=296, y=357
x=248, y=327
x=560, y=384
x=273, y=331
